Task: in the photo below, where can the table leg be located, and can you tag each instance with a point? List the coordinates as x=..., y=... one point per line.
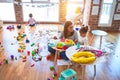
x=55, y=59
x=94, y=72
x=100, y=41
x=91, y=39
x=83, y=71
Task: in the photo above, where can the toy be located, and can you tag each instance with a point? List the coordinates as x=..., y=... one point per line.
x=52, y=68
x=28, y=53
x=60, y=45
x=27, y=41
x=83, y=57
x=23, y=57
x=19, y=50
x=55, y=74
x=68, y=74
x=32, y=44
x=19, y=26
x=78, y=45
x=32, y=65
x=49, y=79
x=12, y=57
x=33, y=53
x=6, y=61
x=48, y=57
x=10, y=27
x=24, y=60
x=69, y=42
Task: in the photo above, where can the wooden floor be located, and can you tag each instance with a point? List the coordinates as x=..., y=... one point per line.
x=18, y=70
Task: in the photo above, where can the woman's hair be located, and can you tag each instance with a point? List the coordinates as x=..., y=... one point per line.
x=65, y=32
x=30, y=15
x=84, y=29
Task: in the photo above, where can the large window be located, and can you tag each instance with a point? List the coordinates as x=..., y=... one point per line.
x=107, y=12
x=7, y=12
x=74, y=8
x=48, y=11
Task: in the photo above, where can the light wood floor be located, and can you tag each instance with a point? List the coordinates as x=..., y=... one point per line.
x=18, y=70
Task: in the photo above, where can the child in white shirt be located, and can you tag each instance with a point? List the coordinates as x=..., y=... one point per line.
x=31, y=21
x=82, y=38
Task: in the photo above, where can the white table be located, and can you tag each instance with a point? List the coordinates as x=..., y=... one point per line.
x=71, y=50
x=98, y=33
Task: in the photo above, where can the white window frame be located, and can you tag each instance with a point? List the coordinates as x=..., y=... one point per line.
x=111, y=16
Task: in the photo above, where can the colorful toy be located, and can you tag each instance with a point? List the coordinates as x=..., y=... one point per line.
x=60, y=45
x=12, y=57
x=52, y=68
x=98, y=53
x=69, y=42
x=68, y=74
x=10, y=27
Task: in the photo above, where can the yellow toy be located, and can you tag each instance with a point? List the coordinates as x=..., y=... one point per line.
x=69, y=42
x=83, y=57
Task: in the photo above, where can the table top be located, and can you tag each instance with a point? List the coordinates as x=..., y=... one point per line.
x=99, y=32
x=73, y=49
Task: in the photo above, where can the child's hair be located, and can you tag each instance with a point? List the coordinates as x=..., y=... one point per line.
x=84, y=29
x=30, y=15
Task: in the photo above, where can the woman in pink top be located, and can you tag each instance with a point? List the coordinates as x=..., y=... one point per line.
x=31, y=21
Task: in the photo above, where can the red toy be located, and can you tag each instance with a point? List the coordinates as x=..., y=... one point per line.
x=48, y=57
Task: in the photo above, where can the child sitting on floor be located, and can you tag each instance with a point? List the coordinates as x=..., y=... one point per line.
x=31, y=21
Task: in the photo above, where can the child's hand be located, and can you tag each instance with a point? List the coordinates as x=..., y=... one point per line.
x=76, y=41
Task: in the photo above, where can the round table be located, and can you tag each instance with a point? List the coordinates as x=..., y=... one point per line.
x=71, y=50
x=100, y=33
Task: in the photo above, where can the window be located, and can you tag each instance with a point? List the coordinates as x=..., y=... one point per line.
x=107, y=12
x=74, y=8
x=46, y=12
x=7, y=12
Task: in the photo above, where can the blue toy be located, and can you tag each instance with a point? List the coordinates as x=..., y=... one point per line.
x=68, y=74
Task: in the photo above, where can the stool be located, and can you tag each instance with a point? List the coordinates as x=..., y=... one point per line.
x=99, y=33
x=68, y=74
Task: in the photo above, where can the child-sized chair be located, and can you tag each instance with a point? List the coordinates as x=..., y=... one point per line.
x=68, y=74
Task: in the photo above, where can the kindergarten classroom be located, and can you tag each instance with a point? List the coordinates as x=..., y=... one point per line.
x=24, y=51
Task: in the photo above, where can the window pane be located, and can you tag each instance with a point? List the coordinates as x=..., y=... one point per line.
x=71, y=11
x=41, y=12
x=7, y=12
x=105, y=14
x=76, y=0
x=26, y=0
x=108, y=1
